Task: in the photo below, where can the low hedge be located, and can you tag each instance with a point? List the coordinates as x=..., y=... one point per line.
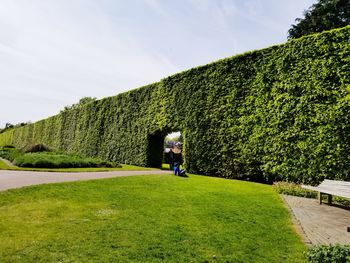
x=40, y=159
x=52, y=160
x=293, y=189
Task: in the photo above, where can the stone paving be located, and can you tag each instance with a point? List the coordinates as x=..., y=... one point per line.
x=17, y=179
x=319, y=224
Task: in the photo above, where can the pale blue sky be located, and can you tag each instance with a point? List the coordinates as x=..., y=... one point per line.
x=54, y=52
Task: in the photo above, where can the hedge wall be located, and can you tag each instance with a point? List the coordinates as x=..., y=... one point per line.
x=276, y=113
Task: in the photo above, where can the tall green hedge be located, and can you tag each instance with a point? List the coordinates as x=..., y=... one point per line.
x=276, y=113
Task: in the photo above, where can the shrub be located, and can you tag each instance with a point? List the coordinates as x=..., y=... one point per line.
x=9, y=153
x=293, y=189
x=36, y=148
x=54, y=160
x=329, y=254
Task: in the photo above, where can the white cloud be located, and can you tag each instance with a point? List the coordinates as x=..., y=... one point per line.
x=64, y=50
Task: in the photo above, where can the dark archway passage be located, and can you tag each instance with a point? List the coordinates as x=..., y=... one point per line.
x=155, y=146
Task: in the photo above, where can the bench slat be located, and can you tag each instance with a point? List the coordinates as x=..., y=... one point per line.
x=332, y=187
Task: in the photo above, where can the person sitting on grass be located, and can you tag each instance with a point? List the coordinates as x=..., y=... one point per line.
x=178, y=171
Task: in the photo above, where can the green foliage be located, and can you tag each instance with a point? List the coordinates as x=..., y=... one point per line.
x=83, y=101
x=272, y=114
x=153, y=218
x=329, y=254
x=324, y=15
x=293, y=189
x=10, y=126
x=36, y=157
x=9, y=153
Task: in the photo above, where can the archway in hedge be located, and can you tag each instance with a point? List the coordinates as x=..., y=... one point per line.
x=155, y=143
x=156, y=153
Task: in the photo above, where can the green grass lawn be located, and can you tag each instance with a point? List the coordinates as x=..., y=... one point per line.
x=165, y=166
x=125, y=167
x=4, y=166
x=147, y=219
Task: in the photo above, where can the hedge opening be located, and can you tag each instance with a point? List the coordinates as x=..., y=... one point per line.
x=173, y=151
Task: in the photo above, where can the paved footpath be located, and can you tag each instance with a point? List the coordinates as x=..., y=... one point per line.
x=319, y=224
x=17, y=179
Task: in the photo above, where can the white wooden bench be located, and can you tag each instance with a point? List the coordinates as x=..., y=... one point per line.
x=330, y=188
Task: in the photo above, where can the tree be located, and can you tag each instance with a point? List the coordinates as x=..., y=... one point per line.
x=324, y=15
x=9, y=125
x=83, y=101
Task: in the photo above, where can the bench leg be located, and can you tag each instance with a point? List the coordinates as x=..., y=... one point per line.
x=320, y=197
x=330, y=198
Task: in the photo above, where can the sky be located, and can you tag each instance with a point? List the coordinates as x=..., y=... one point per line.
x=54, y=52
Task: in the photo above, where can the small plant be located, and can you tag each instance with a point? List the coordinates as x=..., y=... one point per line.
x=329, y=254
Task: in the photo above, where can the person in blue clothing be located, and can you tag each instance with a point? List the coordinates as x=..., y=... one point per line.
x=178, y=171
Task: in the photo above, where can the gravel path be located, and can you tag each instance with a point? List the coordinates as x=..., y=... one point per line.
x=17, y=179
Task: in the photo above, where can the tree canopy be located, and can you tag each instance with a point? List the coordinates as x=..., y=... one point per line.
x=83, y=101
x=324, y=15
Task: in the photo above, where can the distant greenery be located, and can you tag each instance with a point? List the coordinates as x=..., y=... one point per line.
x=279, y=113
x=329, y=254
x=147, y=219
x=44, y=159
x=10, y=126
x=82, y=102
x=324, y=15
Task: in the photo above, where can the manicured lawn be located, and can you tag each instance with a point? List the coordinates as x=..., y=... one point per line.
x=147, y=219
x=125, y=167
